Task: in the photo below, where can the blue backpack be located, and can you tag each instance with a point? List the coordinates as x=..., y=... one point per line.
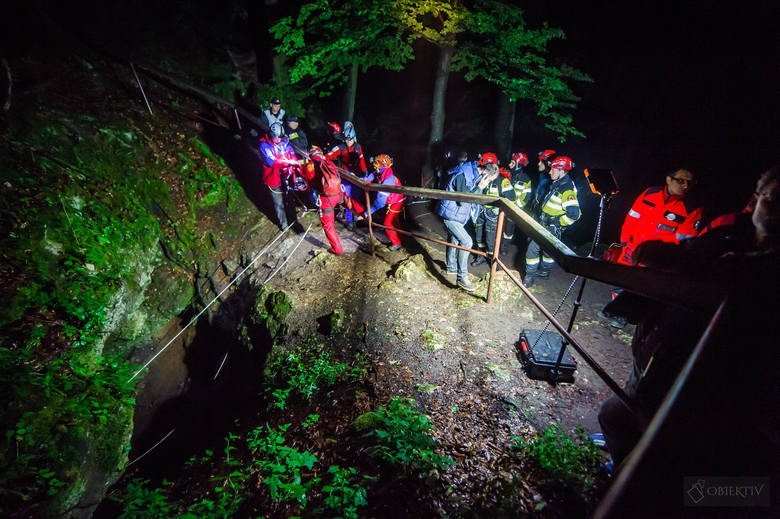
x=454, y=210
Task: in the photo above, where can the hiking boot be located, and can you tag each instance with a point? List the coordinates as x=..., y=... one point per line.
x=350, y=226
x=544, y=273
x=528, y=280
x=615, y=321
x=479, y=260
x=448, y=272
x=393, y=247
x=466, y=285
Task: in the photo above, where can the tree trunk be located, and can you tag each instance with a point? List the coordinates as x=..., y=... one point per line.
x=350, y=94
x=438, y=111
x=7, y=84
x=505, y=125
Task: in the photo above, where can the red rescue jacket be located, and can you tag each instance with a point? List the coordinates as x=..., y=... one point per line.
x=657, y=215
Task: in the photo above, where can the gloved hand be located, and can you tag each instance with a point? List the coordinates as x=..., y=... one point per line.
x=613, y=252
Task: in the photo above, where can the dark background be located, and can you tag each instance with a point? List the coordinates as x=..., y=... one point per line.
x=676, y=84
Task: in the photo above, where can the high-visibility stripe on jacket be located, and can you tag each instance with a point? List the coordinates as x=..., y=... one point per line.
x=561, y=207
x=658, y=215
x=499, y=187
x=521, y=183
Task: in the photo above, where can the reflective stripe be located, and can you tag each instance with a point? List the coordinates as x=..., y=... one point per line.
x=634, y=214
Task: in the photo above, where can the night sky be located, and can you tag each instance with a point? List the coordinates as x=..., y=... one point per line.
x=677, y=84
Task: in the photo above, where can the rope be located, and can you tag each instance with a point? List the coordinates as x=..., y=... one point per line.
x=289, y=255
x=150, y=449
x=262, y=251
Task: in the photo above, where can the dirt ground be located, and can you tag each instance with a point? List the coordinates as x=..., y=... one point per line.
x=448, y=349
x=435, y=335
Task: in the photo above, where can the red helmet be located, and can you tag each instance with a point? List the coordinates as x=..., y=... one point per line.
x=487, y=158
x=316, y=151
x=520, y=158
x=336, y=127
x=545, y=155
x=563, y=162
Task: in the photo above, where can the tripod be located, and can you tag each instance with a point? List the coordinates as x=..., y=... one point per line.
x=602, y=182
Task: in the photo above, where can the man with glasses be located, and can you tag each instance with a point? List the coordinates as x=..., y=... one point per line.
x=660, y=213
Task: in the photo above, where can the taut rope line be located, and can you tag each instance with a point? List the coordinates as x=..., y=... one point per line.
x=262, y=251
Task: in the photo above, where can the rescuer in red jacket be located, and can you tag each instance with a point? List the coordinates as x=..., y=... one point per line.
x=660, y=214
x=349, y=155
x=393, y=201
x=323, y=178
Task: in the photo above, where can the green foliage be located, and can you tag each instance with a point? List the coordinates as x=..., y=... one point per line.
x=54, y=407
x=305, y=370
x=402, y=437
x=140, y=500
x=84, y=215
x=280, y=465
x=343, y=494
x=500, y=48
x=325, y=39
x=83, y=231
x=571, y=461
x=440, y=22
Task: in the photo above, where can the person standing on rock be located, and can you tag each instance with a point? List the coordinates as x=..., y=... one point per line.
x=323, y=177
x=348, y=154
x=468, y=177
x=277, y=155
x=383, y=166
x=559, y=208
x=521, y=184
x=487, y=221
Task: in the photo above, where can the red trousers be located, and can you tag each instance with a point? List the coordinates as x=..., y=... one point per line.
x=392, y=217
x=327, y=212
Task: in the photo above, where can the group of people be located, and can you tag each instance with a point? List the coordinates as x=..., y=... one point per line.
x=663, y=229
x=553, y=202
x=290, y=164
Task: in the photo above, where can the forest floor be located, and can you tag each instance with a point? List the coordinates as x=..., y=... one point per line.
x=457, y=356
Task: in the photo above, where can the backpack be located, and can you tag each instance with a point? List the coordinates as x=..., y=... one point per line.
x=331, y=180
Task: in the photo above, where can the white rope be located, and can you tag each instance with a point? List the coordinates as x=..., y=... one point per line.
x=289, y=255
x=150, y=449
x=262, y=251
x=220, y=367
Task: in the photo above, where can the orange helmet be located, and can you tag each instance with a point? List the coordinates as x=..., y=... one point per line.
x=520, y=158
x=383, y=161
x=563, y=162
x=487, y=158
x=545, y=155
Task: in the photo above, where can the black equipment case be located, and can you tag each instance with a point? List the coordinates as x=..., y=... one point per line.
x=539, y=351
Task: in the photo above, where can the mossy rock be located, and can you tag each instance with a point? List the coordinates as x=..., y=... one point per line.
x=333, y=322
x=271, y=310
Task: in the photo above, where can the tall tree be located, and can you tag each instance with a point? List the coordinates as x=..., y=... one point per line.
x=500, y=48
x=329, y=42
x=491, y=41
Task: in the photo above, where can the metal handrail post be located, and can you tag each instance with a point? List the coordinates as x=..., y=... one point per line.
x=496, y=248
